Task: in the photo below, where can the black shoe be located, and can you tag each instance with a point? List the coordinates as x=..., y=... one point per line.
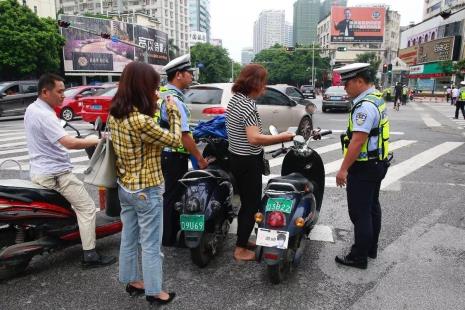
x=91, y=259
x=373, y=254
x=155, y=300
x=351, y=262
x=134, y=291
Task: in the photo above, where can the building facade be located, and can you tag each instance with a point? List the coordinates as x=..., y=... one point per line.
x=288, y=35
x=305, y=22
x=42, y=8
x=269, y=29
x=247, y=55
x=199, y=20
x=197, y=37
x=172, y=15
x=434, y=7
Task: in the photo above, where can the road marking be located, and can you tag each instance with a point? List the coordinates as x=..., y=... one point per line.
x=321, y=150
x=23, y=150
x=410, y=165
x=12, y=144
x=9, y=134
x=430, y=122
x=395, y=133
x=15, y=138
x=26, y=157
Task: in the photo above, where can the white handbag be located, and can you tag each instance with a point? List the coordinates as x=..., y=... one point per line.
x=102, y=167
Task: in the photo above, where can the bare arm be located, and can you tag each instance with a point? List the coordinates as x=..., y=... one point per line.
x=72, y=143
x=355, y=145
x=256, y=138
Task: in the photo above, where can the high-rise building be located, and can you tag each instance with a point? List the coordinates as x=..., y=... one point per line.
x=269, y=29
x=41, y=8
x=306, y=17
x=434, y=7
x=199, y=20
x=325, y=8
x=247, y=55
x=172, y=16
x=288, y=35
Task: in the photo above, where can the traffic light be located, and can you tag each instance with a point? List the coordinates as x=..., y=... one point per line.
x=290, y=49
x=105, y=35
x=63, y=23
x=385, y=68
x=342, y=49
x=389, y=69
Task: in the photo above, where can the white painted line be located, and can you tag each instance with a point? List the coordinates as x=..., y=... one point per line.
x=335, y=165
x=395, y=133
x=321, y=233
x=12, y=144
x=15, y=138
x=23, y=150
x=430, y=122
x=418, y=108
x=410, y=165
x=9, y=134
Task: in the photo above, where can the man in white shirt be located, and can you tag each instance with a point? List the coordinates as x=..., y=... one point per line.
x=51, y=166
x=455, y=95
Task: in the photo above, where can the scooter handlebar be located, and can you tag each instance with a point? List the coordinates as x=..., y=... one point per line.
x=278, y=152
x=325, y=132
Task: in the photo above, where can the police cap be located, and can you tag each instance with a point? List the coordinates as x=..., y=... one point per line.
x=462, y=83
x=182, y=63
x=348, y=72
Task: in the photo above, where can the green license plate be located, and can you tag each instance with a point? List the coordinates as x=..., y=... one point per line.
x=192, y=222
x=279, y=204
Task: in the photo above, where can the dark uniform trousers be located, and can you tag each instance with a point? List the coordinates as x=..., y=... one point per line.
x=459, y=105
x=363, y=185
x=174, y=165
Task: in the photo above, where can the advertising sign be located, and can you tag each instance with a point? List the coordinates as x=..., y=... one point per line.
x=85, y=52
x=431, y=70
x=409, y=55
x=357, y=24
x=437, y=50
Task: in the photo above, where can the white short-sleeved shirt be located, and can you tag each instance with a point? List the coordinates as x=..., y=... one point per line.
x=43, y=130
x=366, y=117
x=455, y=92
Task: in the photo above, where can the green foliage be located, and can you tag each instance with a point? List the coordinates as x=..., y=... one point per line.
x=294, y=67
x=216, y=63
x=29, y=45
x=373, y=60
x=173, y=49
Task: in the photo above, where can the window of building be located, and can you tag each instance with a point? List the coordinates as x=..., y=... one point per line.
x=432, y=36
x=419, y=40
x=426, y=37
x=35, y=9
x=414, y=42
x=408, y=44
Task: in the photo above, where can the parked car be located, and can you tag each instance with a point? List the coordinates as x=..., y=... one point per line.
x=308, y=91
x=206, y=101
x=70, y=108
x=335, y=97
x=15, y=97
x=98, y=105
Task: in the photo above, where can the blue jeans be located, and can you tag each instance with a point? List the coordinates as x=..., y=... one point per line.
x=142, y=217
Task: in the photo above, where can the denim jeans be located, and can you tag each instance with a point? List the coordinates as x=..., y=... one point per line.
x=142, y=217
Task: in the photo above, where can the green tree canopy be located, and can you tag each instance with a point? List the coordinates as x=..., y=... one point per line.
x=292, y=67
x=213, y=62
x=373, y=60
x=29, y=45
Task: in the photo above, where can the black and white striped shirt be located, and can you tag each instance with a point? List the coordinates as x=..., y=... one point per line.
x=241, y=113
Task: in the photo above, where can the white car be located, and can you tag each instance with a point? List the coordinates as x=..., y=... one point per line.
x=206, y=101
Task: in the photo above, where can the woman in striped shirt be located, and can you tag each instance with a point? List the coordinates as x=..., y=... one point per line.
x=246, y=142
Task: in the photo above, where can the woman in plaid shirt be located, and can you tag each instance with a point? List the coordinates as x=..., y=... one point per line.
x=138, y=141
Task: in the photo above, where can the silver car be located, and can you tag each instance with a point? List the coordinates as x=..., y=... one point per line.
x=335, y=97
x=206, y=101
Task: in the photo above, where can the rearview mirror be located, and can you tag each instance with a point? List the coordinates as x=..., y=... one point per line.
x=299, y=140
x=292, y=103
x=98, y=125
x=273, y=130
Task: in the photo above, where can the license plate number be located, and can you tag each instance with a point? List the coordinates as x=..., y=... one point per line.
x=192, y=222
x=335, y=98
x=279, y=204
x=96, y=107
x=272, y=238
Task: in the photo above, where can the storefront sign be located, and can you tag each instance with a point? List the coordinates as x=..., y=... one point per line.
x=430, y=70
x=409, y=55
x=438, y=50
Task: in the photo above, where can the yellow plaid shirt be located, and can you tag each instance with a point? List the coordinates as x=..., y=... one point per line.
x=138, y=141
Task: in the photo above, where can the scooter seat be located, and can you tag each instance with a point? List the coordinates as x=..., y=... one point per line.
x=296, y=179
x=27, y=191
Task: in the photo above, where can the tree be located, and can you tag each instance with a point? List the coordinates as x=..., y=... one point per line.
x=29, y=45
x=292, y=67
x=373, y=60
x=213, y=62
x=173, y=49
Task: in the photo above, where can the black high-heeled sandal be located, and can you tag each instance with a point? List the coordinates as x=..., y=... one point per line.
x=155, y=300
x=134, y=291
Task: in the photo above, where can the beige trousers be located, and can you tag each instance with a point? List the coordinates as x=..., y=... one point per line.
x=70, y=187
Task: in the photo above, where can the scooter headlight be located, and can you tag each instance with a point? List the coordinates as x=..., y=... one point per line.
x=193, y=205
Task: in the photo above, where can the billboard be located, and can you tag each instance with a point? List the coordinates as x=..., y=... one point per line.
x=409, y=55
x=85, y=52
x=357, y=24
x=439, y=50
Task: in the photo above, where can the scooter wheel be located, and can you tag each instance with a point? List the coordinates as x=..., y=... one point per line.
x=202, y=254
x=276, y=273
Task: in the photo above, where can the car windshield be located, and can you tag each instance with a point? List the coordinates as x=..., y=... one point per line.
x=204, y=95
x=107, y=92
x=71, y=92
x=336, y=90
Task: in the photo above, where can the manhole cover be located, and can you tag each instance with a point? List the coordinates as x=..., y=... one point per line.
x=456, y=166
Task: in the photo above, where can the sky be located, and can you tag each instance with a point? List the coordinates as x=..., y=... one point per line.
x=232, y=20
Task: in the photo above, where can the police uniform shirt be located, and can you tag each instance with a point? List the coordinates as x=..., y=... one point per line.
x=181, y=107
x=366, y=117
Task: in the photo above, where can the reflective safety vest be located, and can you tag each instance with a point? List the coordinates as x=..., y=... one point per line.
x=164, y=91
x=462, y=94
x=382, y=131
x=404, y=91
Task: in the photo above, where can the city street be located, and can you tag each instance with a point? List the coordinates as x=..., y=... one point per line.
x=421, y=259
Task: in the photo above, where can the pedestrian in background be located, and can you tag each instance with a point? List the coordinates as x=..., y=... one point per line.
x=455, y=94
x=459, y=105
x=138, y=141
x=246, y=142
x=448, y=93
x=404, y=94
x=398, y=95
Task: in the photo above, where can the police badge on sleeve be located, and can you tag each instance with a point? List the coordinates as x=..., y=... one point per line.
x=360, y=118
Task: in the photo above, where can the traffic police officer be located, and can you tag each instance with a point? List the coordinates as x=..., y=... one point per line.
x=365, y=163
x=175, y=161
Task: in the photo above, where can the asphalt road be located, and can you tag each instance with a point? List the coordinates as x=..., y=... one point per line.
x=420, y=264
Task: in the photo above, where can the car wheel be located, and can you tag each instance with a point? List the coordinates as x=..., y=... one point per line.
x=67, y=114
x=305, y=127
x=324, y=110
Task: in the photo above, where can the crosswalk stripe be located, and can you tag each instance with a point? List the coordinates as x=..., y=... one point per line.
x=410, y=165
x=12, y=144
x=430, y=122
x=26, y=157
x=325, y=149
x=392, y=133
x=15, y=138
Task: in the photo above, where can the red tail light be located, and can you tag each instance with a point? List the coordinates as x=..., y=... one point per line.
x=214, y=111
x=271, y=256
x=276, y=219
